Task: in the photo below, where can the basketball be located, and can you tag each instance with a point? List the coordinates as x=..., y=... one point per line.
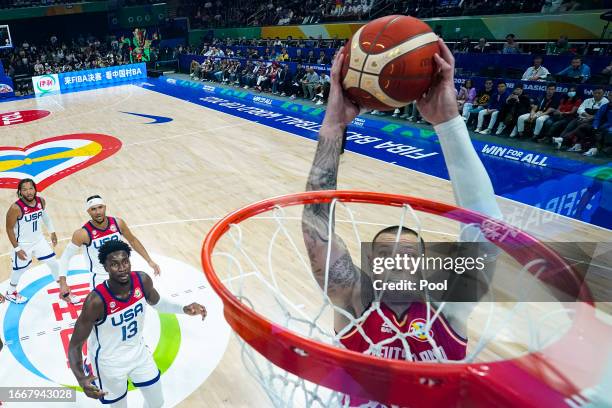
x=389, y=62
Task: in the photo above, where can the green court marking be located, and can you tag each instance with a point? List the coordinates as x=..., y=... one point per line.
x=603, y=173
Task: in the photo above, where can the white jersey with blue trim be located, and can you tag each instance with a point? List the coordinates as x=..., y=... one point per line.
x=119, y=336
x=97, y=237
x=28, y=228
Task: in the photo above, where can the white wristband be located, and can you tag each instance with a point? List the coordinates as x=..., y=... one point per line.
x=17, y=248
x=166, y=306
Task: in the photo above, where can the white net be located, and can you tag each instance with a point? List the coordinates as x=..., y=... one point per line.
x=264, y=263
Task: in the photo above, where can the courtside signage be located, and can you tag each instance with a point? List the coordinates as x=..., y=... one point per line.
x=46, y=84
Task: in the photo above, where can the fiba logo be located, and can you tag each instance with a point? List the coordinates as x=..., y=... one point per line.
x=137, y=293
x=417, y=331
x=113, y=228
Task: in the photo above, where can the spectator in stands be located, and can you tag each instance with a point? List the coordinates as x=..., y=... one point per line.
x=323, y=88
x=298, y=56
x=482, y=100
x=511, y=46
x=323, y=59
x=577, y=133
x=517, y=104
x=607, y=71
x=207, y=69
x=279, y=85
x=560, y=47
x=309, y=82
x=497, y=102
x=540, y=112
x=283, y=56
x=602, y=124
x=249, y=74
x=463, y=47
x=577, y=70
x=466, y=97
x=263, y=76
x=311, y=59
x=483, y=47
x=563, y=115
x=296, y=81
x=537, y=72
x=194, y=69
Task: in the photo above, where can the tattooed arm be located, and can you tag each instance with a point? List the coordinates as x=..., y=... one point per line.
x=343, y=275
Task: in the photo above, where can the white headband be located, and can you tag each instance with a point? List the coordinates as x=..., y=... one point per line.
x=93, y=202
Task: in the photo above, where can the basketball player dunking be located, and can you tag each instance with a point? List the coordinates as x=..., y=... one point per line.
x=98, y=230
x=351, y=289
x=112, y=321
x=24, y=221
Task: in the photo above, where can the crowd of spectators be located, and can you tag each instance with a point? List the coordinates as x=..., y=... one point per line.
x=80, y=53
x=209, y=13
x=565, y=120
x=265, y=76
x=447, y=8
x=5, y=4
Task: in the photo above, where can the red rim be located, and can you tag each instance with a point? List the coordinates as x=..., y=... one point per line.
x=507, y=383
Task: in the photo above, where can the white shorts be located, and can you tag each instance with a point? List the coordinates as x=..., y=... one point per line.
x=113, y=379
x=40, y=250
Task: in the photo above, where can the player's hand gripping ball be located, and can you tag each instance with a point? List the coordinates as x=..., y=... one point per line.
x=389, y=62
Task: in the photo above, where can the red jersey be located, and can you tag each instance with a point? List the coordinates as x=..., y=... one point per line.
x=450, y=345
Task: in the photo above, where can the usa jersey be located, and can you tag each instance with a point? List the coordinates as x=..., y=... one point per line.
x=449, y=344
x=97, y=237
x=28, y=228
x=118, y=336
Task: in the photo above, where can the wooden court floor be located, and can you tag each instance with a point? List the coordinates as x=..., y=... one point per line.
x=172, y=181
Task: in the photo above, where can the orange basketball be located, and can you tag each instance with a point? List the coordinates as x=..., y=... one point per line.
x=389, y=62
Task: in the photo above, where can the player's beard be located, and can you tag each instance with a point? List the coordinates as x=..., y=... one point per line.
x=29, y=200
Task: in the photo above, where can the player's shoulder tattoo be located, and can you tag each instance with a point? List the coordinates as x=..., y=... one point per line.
x=343, y=273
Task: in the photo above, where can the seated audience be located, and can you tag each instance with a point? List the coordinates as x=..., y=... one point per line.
x=483, y=47
x=602, y=124
x=466, y=97
x=577, y=70
x=322, y=90
x=578, y=132
x=296, y=81
x=279, y=84
x=607, y=71
x=497, y=102
x=511, y=46
x=537, y=72
x=562, y=116
x=517, y=104
x=540, y=112
x=481, y=101
x=309, y=82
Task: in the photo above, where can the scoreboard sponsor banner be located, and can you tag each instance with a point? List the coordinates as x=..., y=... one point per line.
x=92, y=78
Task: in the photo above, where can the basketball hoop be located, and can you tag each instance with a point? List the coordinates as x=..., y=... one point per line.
x=565, y=372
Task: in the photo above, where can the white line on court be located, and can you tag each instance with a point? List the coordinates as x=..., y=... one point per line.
x=186, y=134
